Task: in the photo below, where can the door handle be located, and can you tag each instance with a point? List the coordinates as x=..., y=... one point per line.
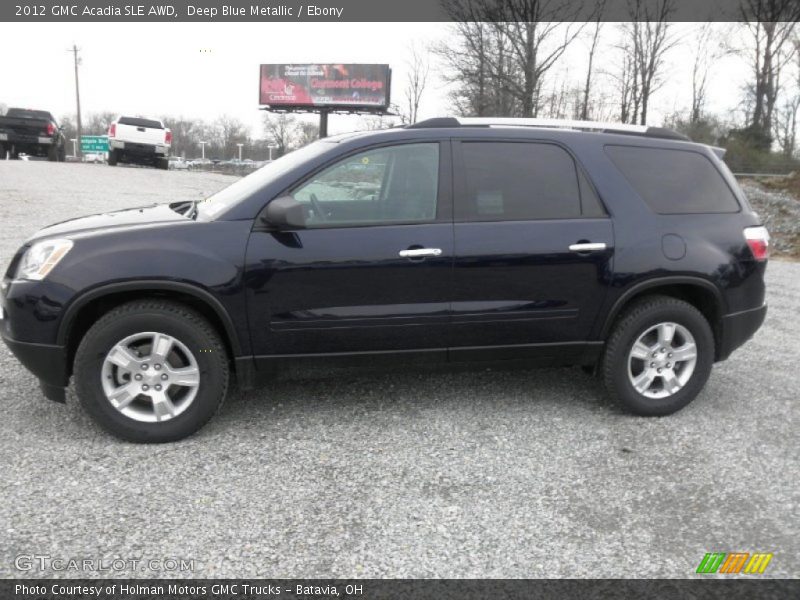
x=420, y=252
x=587, y=247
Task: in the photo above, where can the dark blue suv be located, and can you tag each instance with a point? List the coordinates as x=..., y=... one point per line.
x=627, y=250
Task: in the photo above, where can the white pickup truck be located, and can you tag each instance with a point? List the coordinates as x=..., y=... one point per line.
x=139, y=141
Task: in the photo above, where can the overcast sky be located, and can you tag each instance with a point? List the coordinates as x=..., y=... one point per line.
x=204, y=70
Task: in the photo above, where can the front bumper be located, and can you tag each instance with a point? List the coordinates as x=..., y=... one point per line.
x=47, y=362
x=29, y=316
x=737, y=328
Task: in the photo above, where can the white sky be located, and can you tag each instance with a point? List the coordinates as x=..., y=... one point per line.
x=157, y=69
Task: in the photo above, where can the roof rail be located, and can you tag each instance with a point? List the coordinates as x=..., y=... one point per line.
x=621, y=128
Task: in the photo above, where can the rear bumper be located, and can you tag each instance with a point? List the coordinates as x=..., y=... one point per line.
x=47, y=362
x=737, y=328
x=136, y=149
x=24, y=140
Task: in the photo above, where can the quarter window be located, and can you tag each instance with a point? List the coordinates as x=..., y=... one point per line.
x=510, y=181
x=396, y=184
x=674, y=181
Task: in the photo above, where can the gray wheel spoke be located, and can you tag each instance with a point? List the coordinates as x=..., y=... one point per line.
x=643, y=382
x=162, y=345
x=124, y=395
x=666, y=331
x=163, y=407
x=640, y=350
x=686, y=352
x=123, y=357
x=187, y=376
x=671, y=383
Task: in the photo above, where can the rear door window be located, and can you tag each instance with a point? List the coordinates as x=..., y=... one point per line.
x=518, y=181
x=674, y=181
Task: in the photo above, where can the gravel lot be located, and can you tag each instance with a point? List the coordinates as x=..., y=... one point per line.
x=358, y=474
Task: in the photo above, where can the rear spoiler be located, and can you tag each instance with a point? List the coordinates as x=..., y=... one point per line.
x=720, y=152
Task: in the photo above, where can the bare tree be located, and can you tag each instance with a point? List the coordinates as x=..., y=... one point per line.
x=230, y=131
x=280, y=130
x=509, y=46
x=625, y=79
x=707, y=50
x=649, y=40
x=786, y=114
x=97, y=123
x=785, y=125
x=538, y=34
x=305, y=133
x=587, y=87
x=377, y=122
x=418, y=70
x=68, y=128
x=466, y=60
x=770, y=24
x=186, y=135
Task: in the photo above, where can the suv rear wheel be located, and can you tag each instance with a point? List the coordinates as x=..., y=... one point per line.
x=151, y=371
x=659, y=356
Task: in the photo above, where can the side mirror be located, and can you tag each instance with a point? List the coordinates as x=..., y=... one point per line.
x=285, y=213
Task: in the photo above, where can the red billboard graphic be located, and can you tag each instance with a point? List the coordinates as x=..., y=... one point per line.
x=317, y=85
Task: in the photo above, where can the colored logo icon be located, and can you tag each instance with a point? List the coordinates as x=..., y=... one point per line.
x=732, y=563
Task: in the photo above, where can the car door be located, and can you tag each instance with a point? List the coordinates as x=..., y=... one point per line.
x=533, y=249
x=372, y=269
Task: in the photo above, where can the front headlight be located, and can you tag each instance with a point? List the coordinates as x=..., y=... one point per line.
x=40, y=258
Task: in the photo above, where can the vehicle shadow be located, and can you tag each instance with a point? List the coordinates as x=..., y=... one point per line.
x=457, y=387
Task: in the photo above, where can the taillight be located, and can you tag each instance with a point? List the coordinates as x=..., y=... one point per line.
x=51, y=129
x=112, y=130
x=758, y=240
x=168, y=137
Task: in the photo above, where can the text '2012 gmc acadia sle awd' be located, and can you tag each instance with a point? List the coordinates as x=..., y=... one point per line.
x=628, y=250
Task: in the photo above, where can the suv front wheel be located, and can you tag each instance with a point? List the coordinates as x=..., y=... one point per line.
x=151, y=371
x=659, y=356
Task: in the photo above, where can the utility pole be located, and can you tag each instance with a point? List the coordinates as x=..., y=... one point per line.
x=74, y=51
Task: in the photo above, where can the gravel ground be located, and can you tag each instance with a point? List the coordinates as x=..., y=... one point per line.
x=780, y=212
x=356, y=474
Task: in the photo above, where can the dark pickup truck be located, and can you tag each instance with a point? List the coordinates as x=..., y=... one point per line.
x=33, y=132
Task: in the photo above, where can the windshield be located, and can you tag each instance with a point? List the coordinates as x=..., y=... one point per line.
x=245, y=187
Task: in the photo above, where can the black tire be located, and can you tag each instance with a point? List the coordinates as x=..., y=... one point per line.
x=170, y=318
x=62, y=154
x=2, y=152
x=162, y=163
x=113, y=157
x=634, y=322
x=52, y=153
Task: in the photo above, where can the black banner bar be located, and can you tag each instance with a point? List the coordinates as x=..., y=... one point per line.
x=734, y=588
x=231, y=11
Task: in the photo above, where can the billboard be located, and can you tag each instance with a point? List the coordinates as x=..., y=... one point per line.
x=312, y=86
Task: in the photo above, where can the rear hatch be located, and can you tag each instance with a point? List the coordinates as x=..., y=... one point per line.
x=140, y=131
x=28, y=124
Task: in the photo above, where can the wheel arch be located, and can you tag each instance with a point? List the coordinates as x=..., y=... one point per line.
x=700, y=293
x=90, y=306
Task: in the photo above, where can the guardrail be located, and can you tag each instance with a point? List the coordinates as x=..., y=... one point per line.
x=759, y=175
